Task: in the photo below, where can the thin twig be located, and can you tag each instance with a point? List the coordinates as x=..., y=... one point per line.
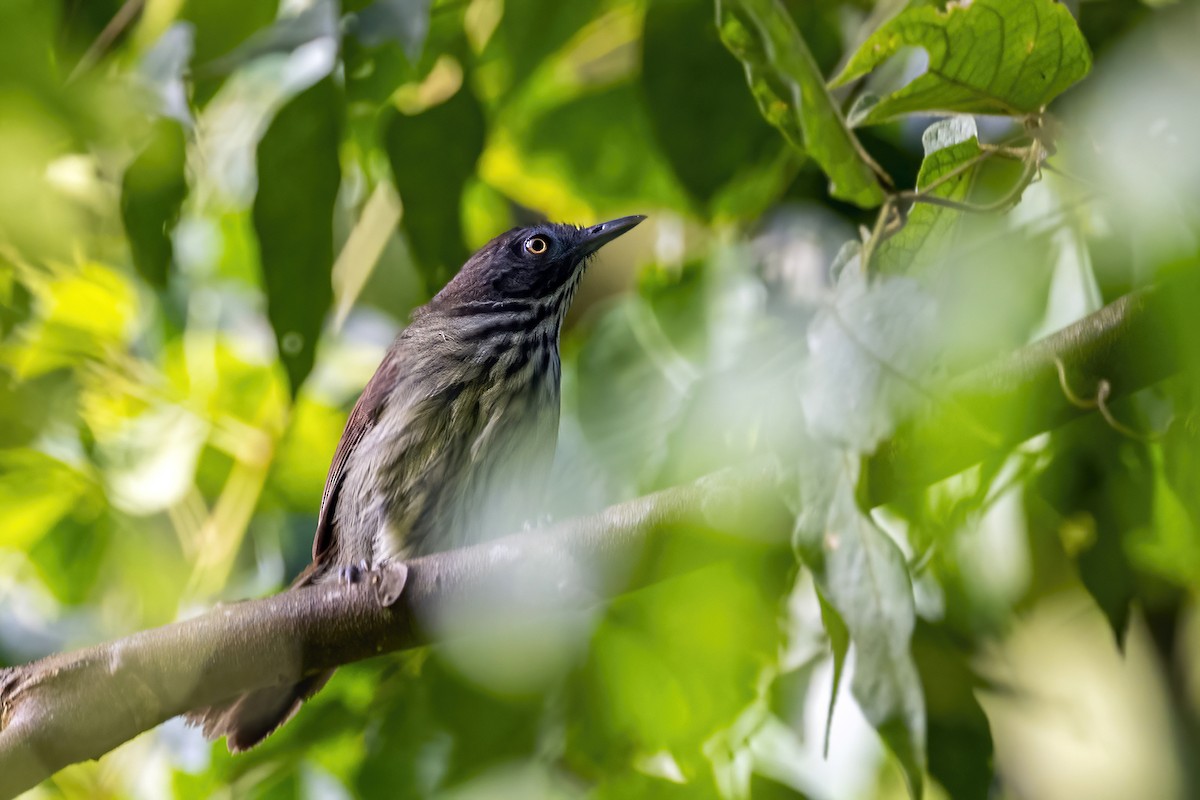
x=115, y=27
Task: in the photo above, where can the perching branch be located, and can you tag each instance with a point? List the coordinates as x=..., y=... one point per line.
x=76, y=706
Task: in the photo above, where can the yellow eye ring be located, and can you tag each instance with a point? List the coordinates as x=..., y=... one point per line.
x=536, y=245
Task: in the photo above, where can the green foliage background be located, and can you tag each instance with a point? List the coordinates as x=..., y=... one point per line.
x=214, y=216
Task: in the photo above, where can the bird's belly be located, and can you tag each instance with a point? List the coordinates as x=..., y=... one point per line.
x=449, y=490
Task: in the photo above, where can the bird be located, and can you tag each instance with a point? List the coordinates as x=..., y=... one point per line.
x=453, y=437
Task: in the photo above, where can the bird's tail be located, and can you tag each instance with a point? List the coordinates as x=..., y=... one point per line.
x=249, y=718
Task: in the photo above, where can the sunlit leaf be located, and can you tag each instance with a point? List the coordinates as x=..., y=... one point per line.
x=791, y=94
x=36, y=492
x=298, y=158
x=82, y=313
x=986, y=57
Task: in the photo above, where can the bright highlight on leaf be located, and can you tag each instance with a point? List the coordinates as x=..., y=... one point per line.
x=989, y=57
x=791, y=94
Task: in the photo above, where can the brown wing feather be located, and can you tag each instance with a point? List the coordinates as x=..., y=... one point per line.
x=362, y=419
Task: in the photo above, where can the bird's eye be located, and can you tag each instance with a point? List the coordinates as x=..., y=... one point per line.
x=536, y=245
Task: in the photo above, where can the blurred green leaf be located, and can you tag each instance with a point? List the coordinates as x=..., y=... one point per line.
x=960, y=741
x=36, y=492
x=544, y=151
x=952, y=157
x=686, y=74
x=405, y=21
x=152, y=192
x=1101, y=484
x=873, y=347
x=82, y=313
x=528, y=34
x=317, y=21
x=633, y=383
x=989, y=57
x=298, y=158
x=839, y=645
x=791, y=94
x=863, y=576
x=431, y=189
x=70, y=556
x=222, y=25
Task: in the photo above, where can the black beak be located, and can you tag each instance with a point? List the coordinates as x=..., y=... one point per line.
x=597, y=236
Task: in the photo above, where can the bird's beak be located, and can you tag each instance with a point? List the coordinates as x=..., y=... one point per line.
x=597, y=236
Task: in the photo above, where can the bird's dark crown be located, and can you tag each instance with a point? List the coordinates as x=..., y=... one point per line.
x=528, y=264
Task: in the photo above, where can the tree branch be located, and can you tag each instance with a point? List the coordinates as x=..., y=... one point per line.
x=1130, y=343
x=76, y=706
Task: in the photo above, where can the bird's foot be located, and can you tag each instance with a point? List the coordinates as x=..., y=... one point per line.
x=350, y=574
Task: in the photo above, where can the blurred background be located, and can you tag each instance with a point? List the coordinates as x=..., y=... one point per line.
x=216, y=214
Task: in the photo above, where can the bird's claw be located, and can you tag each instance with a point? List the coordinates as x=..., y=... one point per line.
x=350, y=574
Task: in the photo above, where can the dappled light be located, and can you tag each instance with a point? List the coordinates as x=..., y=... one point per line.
x=867, y=465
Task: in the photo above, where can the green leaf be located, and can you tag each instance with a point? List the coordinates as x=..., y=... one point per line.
x=404, y=21
x=529, y=34
x=36, y=492
x=220, y=27
x=872, y=351
x=791, y=94
x=950, y=166
x=298, y=179
x=152, y=193
x=556, y=149
x=431, y=188
x=839, y=644
x=989, y=57
x=686, y=73
x=318, y=21
x=960, y=741
x=1101, y=483
x=862, y=574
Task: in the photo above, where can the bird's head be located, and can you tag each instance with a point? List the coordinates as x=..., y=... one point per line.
x=539, y=263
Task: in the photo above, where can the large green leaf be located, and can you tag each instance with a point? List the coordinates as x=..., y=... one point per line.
x=298, y=179
x=989, y=57
x=862, y=574
x=431, y=188
x=152, y=193
x=686, y=73
x=791, y=94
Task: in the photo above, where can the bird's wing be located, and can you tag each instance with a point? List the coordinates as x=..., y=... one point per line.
x=362, y=419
